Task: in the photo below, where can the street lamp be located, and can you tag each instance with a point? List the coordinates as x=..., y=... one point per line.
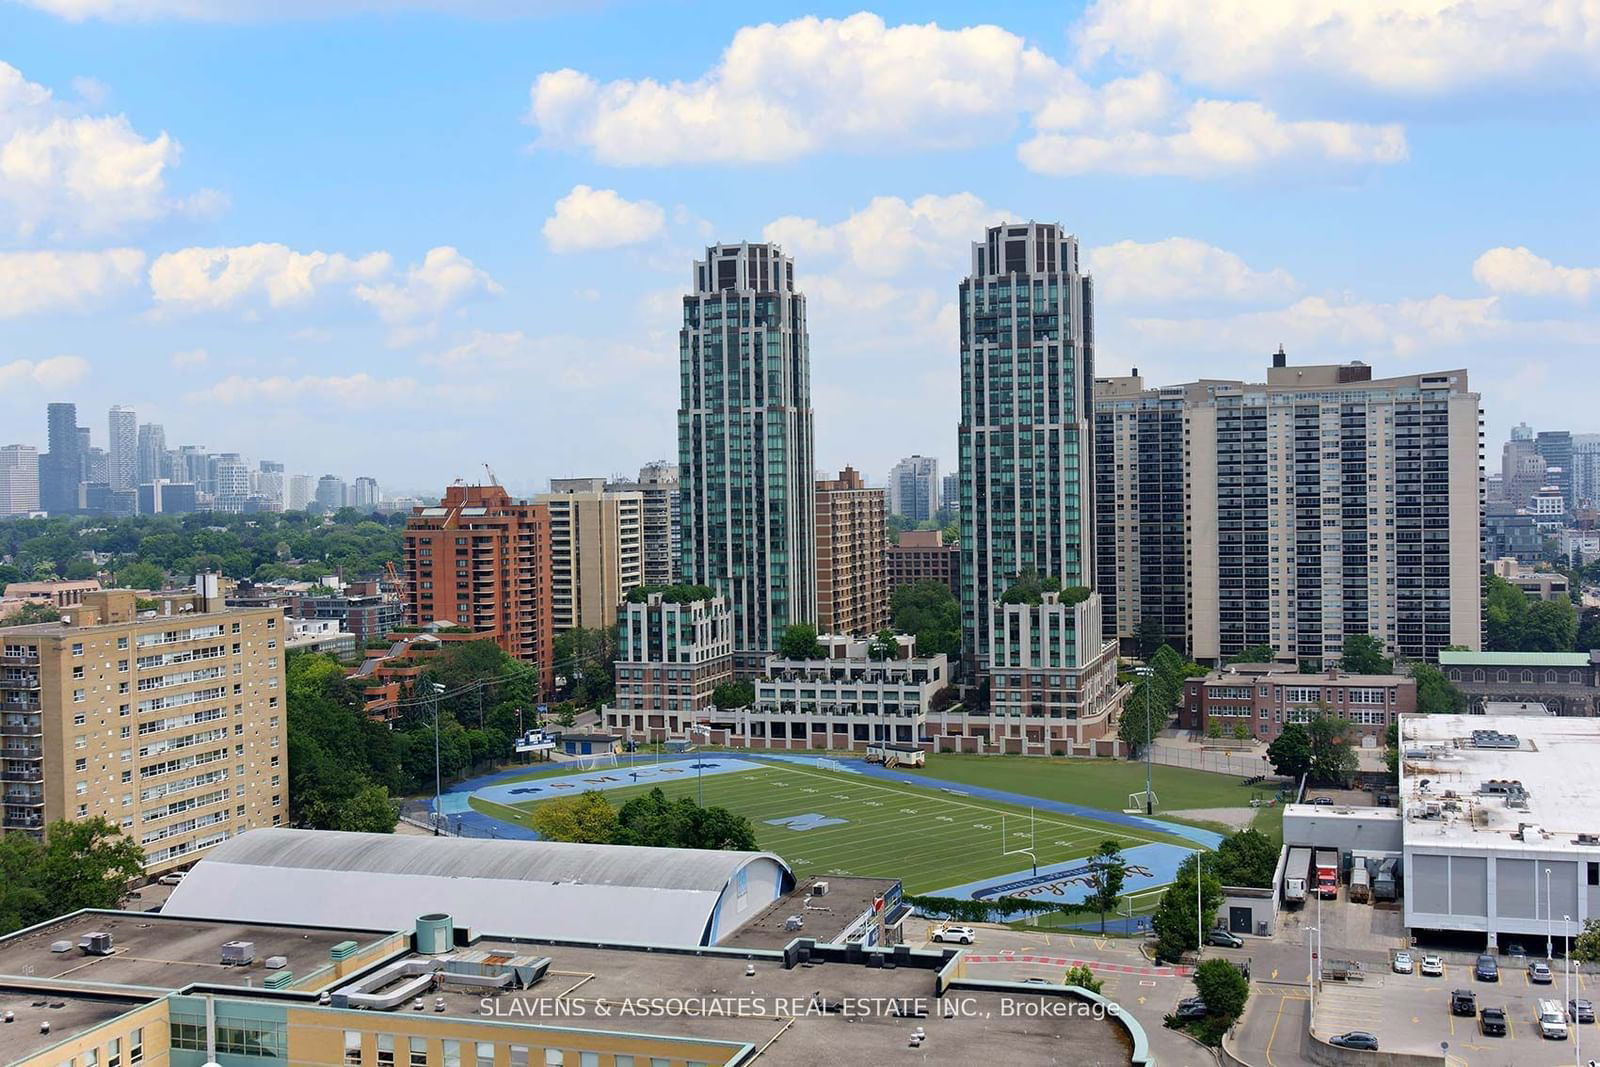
x=1148, y=673
x=1549, y=920
x=699, y=767
x=1313, y=958
x=1577, y=1031
x=438, y=792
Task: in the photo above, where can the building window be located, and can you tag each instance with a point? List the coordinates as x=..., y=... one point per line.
x=554, y=1057
x=136, y=1039
x=386, y=1049
x=452, y=1054
x=78, y=697
x=485, y=1054
x=77, y=648
x=122, y=642
x=1594, y=873
x=519, y=1056
x=114, y=1052
x=352, y=1047
x=419, y=1052
x=77, y=672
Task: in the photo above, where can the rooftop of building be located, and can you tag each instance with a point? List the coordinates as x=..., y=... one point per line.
x=160, y=952
x=1287, y=674
x=68, y=1013
x=106, y=608
x=824, y=917
x=51, y=587
x=1517, y=782
x=1518, y=659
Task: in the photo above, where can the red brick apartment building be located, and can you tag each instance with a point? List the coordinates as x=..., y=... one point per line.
x=482, y=560
x=1264, y=696
x=922, y=556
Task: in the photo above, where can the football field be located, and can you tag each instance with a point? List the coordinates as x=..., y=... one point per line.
x=833, y=822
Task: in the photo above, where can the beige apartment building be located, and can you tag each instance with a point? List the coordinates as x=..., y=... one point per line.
x=852, y=587
x=596, y=550
x=169, y=723
x=1319, y=504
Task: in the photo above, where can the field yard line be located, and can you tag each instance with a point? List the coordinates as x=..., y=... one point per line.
x=995, y=811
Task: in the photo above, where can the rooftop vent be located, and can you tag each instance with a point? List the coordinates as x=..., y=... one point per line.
x=1529, y=832
x=1494, y=739
x=1587, y=839
x=238, y=953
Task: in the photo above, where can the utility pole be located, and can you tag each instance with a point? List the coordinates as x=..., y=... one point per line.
x=438, y=791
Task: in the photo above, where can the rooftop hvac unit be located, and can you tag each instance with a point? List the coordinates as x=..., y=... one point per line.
x=277, y=963
x=95, y=944
x=61, y=946
x=793, y=922
x=238, y=953
x=819, y=889
x=1588, y=839
x=279, y=980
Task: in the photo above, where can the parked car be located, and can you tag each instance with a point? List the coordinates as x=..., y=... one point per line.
x=1224, y=938
x=1551, y=1019
x=1493, y=1022
x=1463, y=1002
x=170, y=879
x=1402, y=962
x=1357, y=1039
x=1486, y=969
x=1433, y=966
x=1324, y=801
x=1515, y=950
x=1037, y=981
x=1580, y=1011
x=961, y=935
x=1191, y=1008
x=1539, y=973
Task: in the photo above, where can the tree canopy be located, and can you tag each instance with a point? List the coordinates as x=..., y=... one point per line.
x=799, y=641
x=1174, y=922
x=1290, y=751
x=1107, y=872
x=928, y=610
x=1513, y=623
x=1247, y=858
x=1253, y=654
x=650, y=820
x=85, y=863
x=1363, y=654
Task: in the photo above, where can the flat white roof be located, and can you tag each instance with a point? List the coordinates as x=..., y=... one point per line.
x=1479, y=780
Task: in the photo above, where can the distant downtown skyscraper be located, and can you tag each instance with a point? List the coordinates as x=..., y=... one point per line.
x=914, y=488
x=61, y=468
x=1027, y=361
x=19, y=479
x=745, y=444
x=123, y=446
x=152, y=452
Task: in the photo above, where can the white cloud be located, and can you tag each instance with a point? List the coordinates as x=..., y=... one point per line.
x=1520, y=271
x=336, y=390
x=194, y=357
x=215, y=279
x=1400, y=46
x=57, y=372
x=249, y=10
x=587, y=219
x=1214, y=137
x=443, y=279
x=58, y=281
x=782, y=91
x=889, y=234
x=63, y=173
x=606, y=362
x=1180, y=269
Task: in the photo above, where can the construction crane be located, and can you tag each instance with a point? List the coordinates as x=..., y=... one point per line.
x=490, y=472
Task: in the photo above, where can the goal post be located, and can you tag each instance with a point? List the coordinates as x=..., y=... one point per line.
x=1029, y=851
x=1137, y=803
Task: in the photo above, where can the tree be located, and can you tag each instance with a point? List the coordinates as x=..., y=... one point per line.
x=1176, y=927
x=1253, y=654
x=1333, y=759
x=1149, y=635
x=1436, y=694
x=1290, y=751
x=799, y=641
x=1551, y=626
x=1223, y=987
x=369, y=811
x=588, y=818
x=1135, y=723
x=1241, y=731
x=138, y=575
x=1246, y=858
x=883, y=646
x=928, y=610
x=1363, y=654
x=1391, y=752
x=733, y=695
x=1505, y=610
x=31, y=613
x=584, y=656
x=1586, y=946
x=84, y=863
x=1107, y=871
x=655, y=821
x=1588, y=631
x=1081, y=976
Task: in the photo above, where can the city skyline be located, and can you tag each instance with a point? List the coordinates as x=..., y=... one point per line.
x=1223, y=208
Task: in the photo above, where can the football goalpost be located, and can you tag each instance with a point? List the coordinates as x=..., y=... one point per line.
x=1137, y=803
x=1005, y=840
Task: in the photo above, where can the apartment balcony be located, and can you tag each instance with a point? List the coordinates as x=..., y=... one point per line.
x=33, y=774
x=20, y=799
x=11, y=659
x=20, y=752
x=19, y=680
x=23, y=822
x=19, y=729
x=25, y=704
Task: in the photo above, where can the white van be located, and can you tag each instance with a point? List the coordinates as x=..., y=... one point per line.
x=1551, y=1019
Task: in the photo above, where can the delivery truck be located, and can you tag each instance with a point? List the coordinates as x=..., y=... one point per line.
x=1297, y=876
x=1327, y=873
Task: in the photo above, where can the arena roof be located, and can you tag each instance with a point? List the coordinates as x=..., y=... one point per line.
x=508, y=888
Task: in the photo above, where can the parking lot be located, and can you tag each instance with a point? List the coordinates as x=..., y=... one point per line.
x=1411, y=1013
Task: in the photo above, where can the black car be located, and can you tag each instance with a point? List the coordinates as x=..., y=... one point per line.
x=1580, y=1011
x=1493, y=1022
x=1191, y=1008
x=1358, y=1039
x=1324, y=801
x=1515, y=950
x=1464, y=1002
x=1486, y=969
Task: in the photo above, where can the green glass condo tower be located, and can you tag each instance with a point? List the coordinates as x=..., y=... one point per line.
x=1027, y=367
x=748, y=516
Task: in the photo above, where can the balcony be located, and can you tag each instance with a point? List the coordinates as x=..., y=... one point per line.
x=29, y=658
x=25, y=800
x=15, y=729
x=32, y=775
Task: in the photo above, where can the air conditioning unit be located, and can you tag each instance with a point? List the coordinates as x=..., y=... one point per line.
x=819, y=889
x=95, y=944
x=238, y=953
x=793, y=922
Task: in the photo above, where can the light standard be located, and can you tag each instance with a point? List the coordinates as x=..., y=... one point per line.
x=438, y=792
x=1312, y=959
x=1549, y=920
x=1148, y=674
x=699, y=767
x=1577, y=1031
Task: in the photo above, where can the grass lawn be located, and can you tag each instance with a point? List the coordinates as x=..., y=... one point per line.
x=928, y=838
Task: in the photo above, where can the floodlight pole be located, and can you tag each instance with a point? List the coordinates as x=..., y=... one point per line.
x=1549, y=920
x=1148, y=674
x=438, y=792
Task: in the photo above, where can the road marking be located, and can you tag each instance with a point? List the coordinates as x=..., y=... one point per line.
x=1141, y=999
x=1274, y=972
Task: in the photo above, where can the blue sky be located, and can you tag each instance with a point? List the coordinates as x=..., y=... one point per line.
x=405, y=237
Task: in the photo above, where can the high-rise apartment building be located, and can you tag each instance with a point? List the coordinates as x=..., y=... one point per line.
x=950, y=492
x=231, y=489
x=123, y=447
x=152, y=447
x=1556, y=448
x=61, y=468
x=191, y=464
x=922, y=556
x=332, y=492
x=19, y=479
x=301, y=491
x=852, y=586
x=663, y=507
x=1522, y=471
x=170, y=725
x=97, y=467
x=482, y=560
x=1027, y=360
x=745, y=448
x=914, y=488
x=1293, y=513
x=364, y=494
x=162, y=497
x=596, y=551
x=673, y=649
x=1586, y=470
